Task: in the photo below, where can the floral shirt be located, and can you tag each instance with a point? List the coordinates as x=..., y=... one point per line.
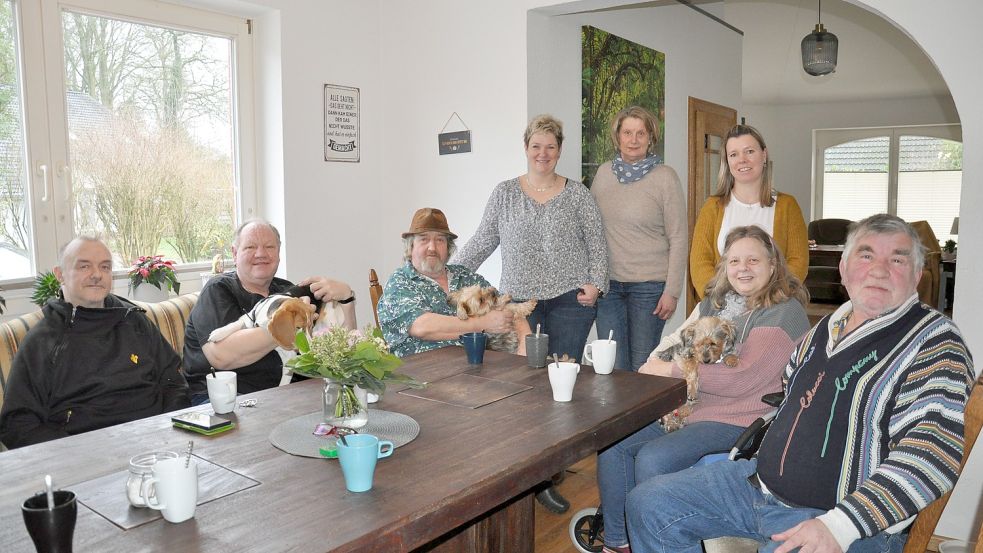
x=408, y=295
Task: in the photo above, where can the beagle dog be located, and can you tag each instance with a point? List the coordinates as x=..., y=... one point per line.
x=281, y=315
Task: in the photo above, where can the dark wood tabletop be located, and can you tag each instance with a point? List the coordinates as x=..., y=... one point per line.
x=465, y=465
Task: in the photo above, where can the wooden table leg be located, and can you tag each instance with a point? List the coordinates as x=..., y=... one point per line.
x=510, y=527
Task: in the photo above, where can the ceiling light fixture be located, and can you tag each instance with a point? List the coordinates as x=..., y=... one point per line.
x=819, y=49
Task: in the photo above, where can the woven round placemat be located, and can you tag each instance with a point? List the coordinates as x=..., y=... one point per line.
x=296, y=436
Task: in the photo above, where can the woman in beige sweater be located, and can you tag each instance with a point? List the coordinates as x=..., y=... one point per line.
x=641, y=203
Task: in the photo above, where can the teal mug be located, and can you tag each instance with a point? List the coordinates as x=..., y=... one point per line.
x=358, y=456
x=474, y=346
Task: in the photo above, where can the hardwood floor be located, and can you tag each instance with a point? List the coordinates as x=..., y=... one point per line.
x=580, y=488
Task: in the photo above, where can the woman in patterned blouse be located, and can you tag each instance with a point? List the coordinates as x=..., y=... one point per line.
x=552, y=240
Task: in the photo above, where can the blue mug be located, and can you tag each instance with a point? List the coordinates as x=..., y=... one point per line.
x=358, y=456
x=474, y=346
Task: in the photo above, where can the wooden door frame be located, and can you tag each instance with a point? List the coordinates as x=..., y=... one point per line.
x=694, y=200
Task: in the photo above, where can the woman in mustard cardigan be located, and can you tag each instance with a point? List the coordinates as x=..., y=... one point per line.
x=746, y=197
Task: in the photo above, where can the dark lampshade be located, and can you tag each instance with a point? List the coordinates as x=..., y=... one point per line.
x=819, y=51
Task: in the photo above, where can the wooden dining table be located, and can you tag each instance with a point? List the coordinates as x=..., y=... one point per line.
x=465, y=483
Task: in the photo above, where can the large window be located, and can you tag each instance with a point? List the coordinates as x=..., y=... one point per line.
x=133, y=130
x=912, y=172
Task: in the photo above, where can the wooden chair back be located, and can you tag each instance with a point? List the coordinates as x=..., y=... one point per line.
x=928, y=286
x=924, y=526
x=375, y=292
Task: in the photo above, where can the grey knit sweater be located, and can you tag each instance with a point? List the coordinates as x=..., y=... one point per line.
x=547, y=249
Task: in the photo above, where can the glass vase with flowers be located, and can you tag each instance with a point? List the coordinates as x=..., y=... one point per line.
x=351, y=362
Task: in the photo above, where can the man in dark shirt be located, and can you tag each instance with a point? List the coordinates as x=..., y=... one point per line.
x=225, y=298
x=94, y=360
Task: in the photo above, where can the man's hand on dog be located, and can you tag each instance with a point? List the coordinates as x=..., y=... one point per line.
x=497, y=322
x=326, y=289
x=587, y=295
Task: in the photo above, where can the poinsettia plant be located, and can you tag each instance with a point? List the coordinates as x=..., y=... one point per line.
x=155, y=270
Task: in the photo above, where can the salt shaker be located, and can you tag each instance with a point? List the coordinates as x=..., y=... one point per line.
x=141, y=468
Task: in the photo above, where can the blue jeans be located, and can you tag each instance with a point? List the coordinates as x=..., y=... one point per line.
x=673, y=513
x=627, y=309
x=566, y=321
x=648, y=453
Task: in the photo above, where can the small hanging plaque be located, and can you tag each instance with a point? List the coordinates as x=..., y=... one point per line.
x=454, y=142
x=457, y=142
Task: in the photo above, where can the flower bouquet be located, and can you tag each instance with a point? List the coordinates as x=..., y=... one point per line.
x=351, y=362
x=153, y=270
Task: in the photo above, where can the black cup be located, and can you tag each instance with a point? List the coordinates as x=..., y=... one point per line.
x=51, y=530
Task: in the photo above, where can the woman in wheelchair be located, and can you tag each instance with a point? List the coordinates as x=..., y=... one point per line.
x=753, y=289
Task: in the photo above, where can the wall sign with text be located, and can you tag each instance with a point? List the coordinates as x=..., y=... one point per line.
x=341, y=112
x=457, y=142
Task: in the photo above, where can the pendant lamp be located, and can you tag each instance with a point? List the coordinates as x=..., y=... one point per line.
x=819, y=49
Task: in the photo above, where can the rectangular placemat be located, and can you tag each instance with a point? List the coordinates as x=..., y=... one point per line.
x=106, y=495
x=467, y=390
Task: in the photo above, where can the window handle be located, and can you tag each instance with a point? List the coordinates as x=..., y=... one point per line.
x=43, y=171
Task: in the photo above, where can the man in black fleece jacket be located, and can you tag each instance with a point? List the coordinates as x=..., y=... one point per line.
x=94, y=361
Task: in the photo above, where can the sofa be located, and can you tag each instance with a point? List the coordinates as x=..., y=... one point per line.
x=170, y=316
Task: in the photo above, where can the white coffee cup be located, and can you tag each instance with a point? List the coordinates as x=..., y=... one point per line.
x=601, y=354
x=222, y=391
x=176, y=489
x=562, y=379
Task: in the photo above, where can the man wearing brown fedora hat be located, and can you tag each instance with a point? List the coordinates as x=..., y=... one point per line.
x=413, y=311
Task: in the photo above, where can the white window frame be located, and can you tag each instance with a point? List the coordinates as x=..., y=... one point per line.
x=45, y=121
x=825, y=138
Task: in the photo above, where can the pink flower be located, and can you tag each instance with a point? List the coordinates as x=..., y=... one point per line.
x=144, y=272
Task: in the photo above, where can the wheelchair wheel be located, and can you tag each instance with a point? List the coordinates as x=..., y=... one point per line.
x=587, y=530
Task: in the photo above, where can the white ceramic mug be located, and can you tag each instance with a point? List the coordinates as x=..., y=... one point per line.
x=222, y=391
x=562, y=379
x=176, y=489
x=601, y=354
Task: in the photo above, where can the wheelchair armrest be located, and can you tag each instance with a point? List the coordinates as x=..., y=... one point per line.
x=774, y=399
x=749, y=440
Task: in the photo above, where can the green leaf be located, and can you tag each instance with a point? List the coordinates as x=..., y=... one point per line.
x=300, y=340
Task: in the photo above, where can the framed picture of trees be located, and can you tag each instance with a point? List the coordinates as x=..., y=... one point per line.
x=617, y=73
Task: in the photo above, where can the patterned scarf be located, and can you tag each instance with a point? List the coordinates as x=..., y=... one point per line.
x=628, y=173
x=735, y=306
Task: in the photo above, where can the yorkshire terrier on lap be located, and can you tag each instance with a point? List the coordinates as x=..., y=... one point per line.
x=707, y=340
x=475, y=301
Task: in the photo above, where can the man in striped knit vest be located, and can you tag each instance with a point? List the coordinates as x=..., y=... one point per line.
x=870, y=433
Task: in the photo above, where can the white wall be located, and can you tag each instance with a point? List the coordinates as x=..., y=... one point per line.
x=788, y=131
